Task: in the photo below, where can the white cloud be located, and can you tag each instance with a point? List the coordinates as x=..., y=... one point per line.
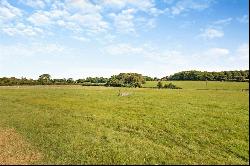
x=211, y=33
x=84, y=16
x=144, y=24
x=93, y=22
x=57, y=13
x=243, y=51
x=123, y=49
x=127, y=14
x=127, y=21
x=69, y=25
x=145, y=5
x=76, y=15
x=219, y=59
x=240, y=58
x=14, y=23
x=215, y=29
x=25, y=58
x=170, y=57
x=154, y=61
x=28, y=50
x=124, y=21
x=217, y=52
x=82, y=6
x=244, y=19
x=35, y=3
x=213, y=59
x=80, y=38
x=156, y=12
x=187, y=5
x=8, y=12
x=40, y=18
x=114, y=3
x=223, y=21
x=21, y=29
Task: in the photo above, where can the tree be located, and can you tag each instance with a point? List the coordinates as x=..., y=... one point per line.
x=210, y=76
x=70, y=81
x=159, y=85
x=96, y=80
x=44, y=79
x=126, y=80
x=147, y=78
x=156, y=79
x=164, y=78
x=240, y=78
x=80, y=81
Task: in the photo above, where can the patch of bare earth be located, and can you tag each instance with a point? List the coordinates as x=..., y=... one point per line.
x=15, y=150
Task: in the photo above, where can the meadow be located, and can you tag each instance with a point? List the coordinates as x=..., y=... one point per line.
x=202, y=85
x=199, y=124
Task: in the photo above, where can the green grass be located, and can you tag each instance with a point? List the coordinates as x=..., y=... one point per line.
x=203, y=85
x=92, y=125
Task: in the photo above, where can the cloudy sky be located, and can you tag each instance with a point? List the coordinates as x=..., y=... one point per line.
x=79, y=38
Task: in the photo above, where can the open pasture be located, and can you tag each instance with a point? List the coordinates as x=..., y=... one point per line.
x=93, y=125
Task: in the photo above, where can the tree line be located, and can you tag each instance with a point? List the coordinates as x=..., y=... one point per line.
x=45, y=79
x=193, y=75
x=129, y=79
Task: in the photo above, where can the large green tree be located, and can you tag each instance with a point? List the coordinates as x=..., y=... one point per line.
x=44, y=79
x=126, y=80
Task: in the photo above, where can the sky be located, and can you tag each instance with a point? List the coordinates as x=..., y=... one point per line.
x=81, y=38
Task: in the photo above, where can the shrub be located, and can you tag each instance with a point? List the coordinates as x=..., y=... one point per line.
x=126, y=80
x=171, y=86
x=159, y=85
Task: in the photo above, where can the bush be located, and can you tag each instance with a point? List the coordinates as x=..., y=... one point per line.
x=171, y=86
x=126, y=80
x=159, y=85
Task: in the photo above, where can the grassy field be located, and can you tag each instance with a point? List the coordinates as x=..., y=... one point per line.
x=93, y=125
x=202, y=85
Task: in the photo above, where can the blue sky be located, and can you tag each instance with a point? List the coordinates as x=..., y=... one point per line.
x=80, y=38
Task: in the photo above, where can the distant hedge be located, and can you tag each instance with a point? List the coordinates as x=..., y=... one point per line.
x=193, y=75
x=93, y=84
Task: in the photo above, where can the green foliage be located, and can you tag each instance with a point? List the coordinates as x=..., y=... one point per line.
x=126, y=80
x=59, y=81
x=164, y=78
x=159, y=85
x=211, y=76
x=131, y=79
x=96, y=80
x=206, y=85
x=44, y=79
x=156, y=79
x=70, y=81
x=167, y=86
x=15, y=81
x=240, y=78
x=171, y=86
x=147, y=78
